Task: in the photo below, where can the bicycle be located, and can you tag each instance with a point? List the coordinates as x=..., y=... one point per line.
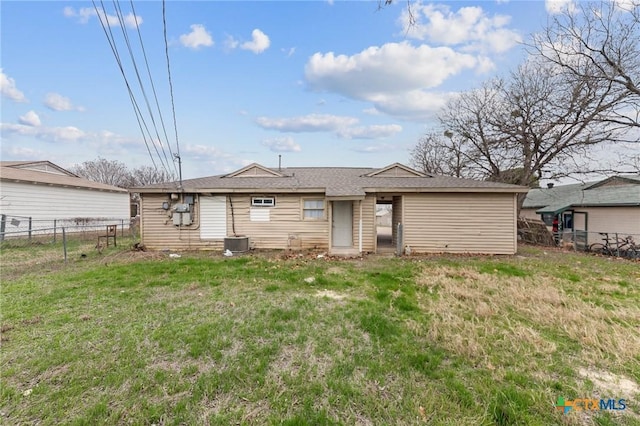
x=629, y=249
x=605, y=249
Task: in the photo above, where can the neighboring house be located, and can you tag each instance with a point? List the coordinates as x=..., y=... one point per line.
x=610, y=205
x=43, y=191
x=383, y=217
x=330, y=208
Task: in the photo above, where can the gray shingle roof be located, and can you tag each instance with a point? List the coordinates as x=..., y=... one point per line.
x=625, y=192
x=13, y=171
x=333, y=181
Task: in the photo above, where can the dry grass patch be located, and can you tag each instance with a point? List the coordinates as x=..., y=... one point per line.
x=475, y=310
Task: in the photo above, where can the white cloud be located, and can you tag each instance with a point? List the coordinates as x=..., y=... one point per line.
x=626, y=5
x=231, y=43
x=84, y=14
x=52, y=134
x=372, y=149
x=469, y=27
x=198, y=37
x=307, y=123
x=395, y=78
x=9, y=90
x=392, y=68
x=289, y=52
x=200, y=151
x=25, y=153
x=30, y=119
x=30, y=125
x=558, y=6
x=216, y=159
x=58, y=102
x=412, y=105
x=259, y=43
x=342, y=127
x=369, y=132
x=286, y=144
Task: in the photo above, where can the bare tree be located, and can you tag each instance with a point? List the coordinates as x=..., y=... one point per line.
x=147, y=175
x=514, y=129
x=110, y=172
x=599, y=43
x=441, y=154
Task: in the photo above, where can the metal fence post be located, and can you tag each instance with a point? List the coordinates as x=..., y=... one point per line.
x=64, y=244
x=3, y=223
x=30, y=227
x=617, y=246
x=399, y=240
x=54, y=231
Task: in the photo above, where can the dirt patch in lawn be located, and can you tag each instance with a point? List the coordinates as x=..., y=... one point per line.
x=331, y=295
x=609, y=382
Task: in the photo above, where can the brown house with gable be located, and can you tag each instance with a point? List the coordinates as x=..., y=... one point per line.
x=332, y=209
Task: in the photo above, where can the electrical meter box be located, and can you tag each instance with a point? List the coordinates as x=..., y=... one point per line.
x=182, y=208
x=181, y=218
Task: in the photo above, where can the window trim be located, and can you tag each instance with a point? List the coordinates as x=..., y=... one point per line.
x=304, y=210
x=262, y=200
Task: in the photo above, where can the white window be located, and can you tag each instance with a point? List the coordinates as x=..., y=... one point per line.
x=263, y=201
x=313, y=209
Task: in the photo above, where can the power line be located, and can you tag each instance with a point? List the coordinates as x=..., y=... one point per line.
x=114, y=50
x=173, y=108
x=142, y=124
x=153, y=87
x=142, y=89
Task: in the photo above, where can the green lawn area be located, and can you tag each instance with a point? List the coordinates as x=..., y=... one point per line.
x=127, y=337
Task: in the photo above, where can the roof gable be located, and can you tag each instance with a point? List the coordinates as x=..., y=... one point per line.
x=38, y=166
x=396, y=170
x=255, y=170
x=616, y=181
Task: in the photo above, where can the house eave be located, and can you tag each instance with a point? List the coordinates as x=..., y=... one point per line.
x=545, y=209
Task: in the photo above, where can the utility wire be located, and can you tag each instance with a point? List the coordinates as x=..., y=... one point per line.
x=142, y=89
x=173, y=108
x=136, y=109
x=153, y=87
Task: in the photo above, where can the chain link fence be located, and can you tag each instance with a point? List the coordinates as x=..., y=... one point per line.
x=605, y=243
x=616, y=244
x=19, y=232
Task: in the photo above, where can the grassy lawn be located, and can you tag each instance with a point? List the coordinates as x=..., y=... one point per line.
x=141, y=338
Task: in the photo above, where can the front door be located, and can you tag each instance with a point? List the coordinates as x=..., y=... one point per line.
x=342, y=224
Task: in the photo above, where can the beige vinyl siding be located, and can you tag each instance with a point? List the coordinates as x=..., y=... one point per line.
x=623, y=220
x=285, y=228
x=396, y=172
x=158, y=231
x=396, y=218
x=460, y=223
x=530, y=214
x=368, y=223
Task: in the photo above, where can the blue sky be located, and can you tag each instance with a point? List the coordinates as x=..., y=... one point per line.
x=320, y=83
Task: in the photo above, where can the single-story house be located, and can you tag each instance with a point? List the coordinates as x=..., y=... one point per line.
x=611, y=205
x=42, y=192
x=332, y=209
